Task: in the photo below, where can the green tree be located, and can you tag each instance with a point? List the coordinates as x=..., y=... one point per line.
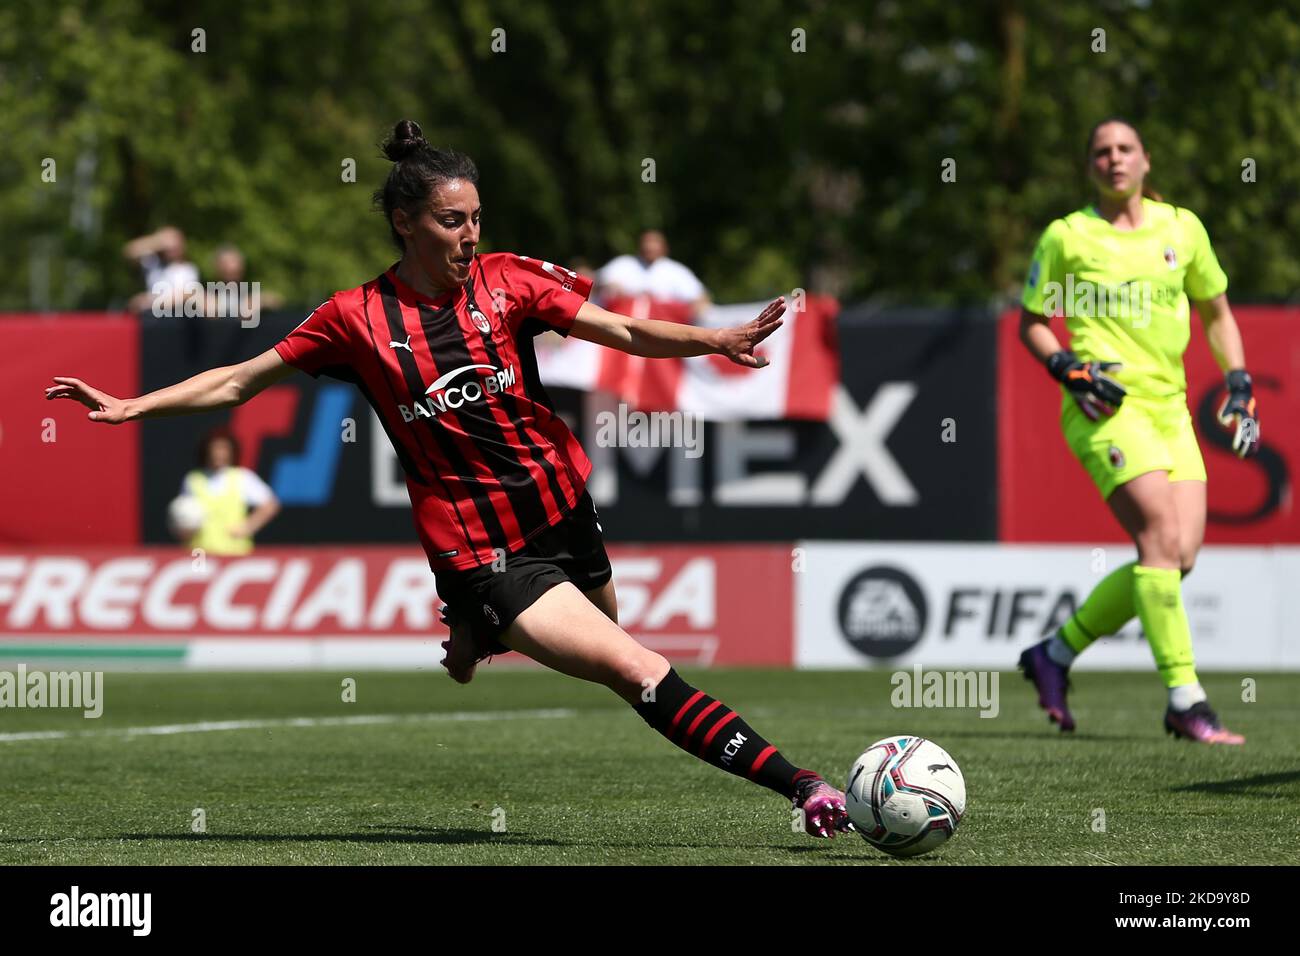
x=792, y=143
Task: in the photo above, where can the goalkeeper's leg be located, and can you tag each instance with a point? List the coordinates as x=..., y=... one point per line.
x=1108, y=608
x=1110, y=605
x=1189, y=501
x=1148, y=507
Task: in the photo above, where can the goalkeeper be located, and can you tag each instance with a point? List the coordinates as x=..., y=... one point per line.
x=1123, y=271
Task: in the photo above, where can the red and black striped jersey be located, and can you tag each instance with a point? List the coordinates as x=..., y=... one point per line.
x=453, y=381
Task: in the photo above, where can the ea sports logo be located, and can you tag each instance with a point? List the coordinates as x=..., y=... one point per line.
x=882, y=612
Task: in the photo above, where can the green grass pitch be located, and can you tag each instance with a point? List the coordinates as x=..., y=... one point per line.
x=418, y=771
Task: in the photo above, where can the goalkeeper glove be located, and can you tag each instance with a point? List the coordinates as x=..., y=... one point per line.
x=1238, y=410
x=1089, y=383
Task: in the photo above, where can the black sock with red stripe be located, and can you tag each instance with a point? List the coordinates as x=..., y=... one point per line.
x=715, y=733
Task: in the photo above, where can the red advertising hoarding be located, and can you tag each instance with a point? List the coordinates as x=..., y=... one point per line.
x=1045, y=495
x=63, y=478
x=699, y=606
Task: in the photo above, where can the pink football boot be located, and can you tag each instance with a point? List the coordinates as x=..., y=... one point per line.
x=1201, y=724
x=824, y=813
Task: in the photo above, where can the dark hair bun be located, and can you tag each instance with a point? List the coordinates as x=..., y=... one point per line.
x=406, y=139
x=418, y=169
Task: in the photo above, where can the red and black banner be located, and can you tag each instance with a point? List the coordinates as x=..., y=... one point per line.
x=944, y=429
x=907, y=454
x=1046, y=495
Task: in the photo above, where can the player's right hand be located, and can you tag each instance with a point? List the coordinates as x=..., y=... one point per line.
x=103, y=407
x=1089, y=383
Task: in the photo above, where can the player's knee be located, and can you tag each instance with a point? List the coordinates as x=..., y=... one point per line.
x=1159, y=540
x=636, y=673
x=1187, y=556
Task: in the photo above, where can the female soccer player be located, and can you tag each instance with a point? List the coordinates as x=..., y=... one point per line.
x=1123, y=270
x=441, y=346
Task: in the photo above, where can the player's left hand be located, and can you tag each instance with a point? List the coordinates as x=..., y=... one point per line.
x=737, y=342
x=1238, y=412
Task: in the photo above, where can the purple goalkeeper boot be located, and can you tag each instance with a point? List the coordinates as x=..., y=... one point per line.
x=1052, y=681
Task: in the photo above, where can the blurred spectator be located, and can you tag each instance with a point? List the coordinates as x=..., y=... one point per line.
x=582, y=266
x=650, y=272
x=226, y=491
x=161, y=258
x=228, y=265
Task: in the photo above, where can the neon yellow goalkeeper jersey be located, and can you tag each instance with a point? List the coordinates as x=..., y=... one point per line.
x=1125, y=295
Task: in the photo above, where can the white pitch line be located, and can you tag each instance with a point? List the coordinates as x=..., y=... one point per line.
x=360, y=720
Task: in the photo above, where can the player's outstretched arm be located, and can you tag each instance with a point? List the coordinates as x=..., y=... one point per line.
x=216, y=388
x=652, y=338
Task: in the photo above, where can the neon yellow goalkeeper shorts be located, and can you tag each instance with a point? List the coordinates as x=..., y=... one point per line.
x=1146, y=434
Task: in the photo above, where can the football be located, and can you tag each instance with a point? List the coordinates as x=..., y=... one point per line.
x=905, y=795
x=185, y=514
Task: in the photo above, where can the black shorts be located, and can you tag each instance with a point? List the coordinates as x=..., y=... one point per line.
x=489, y=598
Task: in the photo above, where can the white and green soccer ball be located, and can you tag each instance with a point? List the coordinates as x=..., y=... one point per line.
x=906, y=795
x=185, y=514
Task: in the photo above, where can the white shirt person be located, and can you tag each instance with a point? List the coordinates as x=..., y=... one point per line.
x=651, y=273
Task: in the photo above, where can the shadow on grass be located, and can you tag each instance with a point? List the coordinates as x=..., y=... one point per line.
x=396, y=834
x=1246, y=786
x=1044, y=734
x=402, y=833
